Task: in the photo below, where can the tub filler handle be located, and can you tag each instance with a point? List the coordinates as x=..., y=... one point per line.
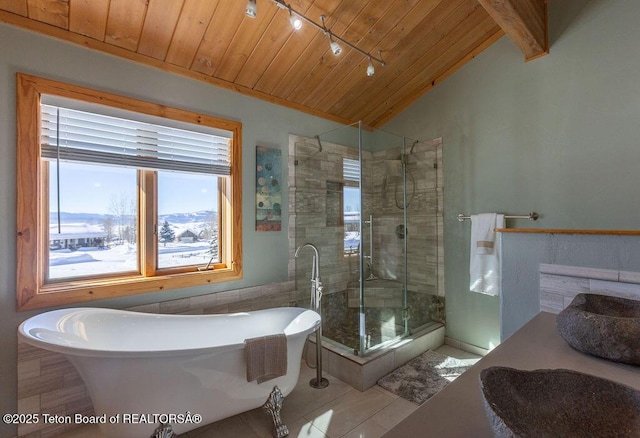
x=273, y=406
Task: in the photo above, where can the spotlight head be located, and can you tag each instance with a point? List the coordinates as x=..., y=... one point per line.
x=296, y=22
x=370, y=69
x=252, y=9
x=335, y=48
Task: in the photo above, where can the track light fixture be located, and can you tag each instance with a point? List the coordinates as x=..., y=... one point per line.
x=296, y=22
x=335, y=47
x=296, y=18
x=252, y=9
x=371, y=70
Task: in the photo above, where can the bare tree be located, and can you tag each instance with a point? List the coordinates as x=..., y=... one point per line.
x=210, y=226
x=107, y=226
x=133, y=220
x=123, y=208
x=213, y=250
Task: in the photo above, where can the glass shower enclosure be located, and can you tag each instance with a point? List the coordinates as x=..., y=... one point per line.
x=369, y=201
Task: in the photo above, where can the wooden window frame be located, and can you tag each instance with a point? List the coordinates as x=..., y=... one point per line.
x=32, y=210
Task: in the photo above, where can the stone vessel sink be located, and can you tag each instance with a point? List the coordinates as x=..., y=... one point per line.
x=558, y=403
x=603, y=326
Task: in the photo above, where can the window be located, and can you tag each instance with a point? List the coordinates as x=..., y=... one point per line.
x=117, y=196
x=351, y=205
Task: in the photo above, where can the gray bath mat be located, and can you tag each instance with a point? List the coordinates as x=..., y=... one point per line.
x=422, y=377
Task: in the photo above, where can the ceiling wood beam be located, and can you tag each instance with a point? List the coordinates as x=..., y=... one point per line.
x=525, y=21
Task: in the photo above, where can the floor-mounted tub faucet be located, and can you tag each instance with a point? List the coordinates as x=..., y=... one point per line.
x=316, y=296
x=316, y=284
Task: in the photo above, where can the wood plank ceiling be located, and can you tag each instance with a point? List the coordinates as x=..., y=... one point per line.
x=421, y=42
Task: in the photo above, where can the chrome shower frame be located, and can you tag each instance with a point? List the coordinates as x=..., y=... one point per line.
x=362, y=333
x=405, y=240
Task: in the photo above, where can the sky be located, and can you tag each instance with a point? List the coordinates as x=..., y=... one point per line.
x=86, y=188
x=351, y=199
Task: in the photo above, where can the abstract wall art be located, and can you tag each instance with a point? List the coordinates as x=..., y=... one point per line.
x=268, y=189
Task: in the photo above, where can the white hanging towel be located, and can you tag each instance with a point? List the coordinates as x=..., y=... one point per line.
x=484, y=257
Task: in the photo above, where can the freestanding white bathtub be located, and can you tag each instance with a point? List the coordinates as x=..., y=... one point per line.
x=142, y=367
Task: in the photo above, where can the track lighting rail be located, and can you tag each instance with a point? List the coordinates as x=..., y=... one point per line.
x=333, y=38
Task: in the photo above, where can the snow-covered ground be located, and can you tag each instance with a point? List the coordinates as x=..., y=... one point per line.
x=351, y=240
x=183, y=254
x=65, y=263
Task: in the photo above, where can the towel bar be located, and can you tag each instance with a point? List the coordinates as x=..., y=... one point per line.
x=533, y=216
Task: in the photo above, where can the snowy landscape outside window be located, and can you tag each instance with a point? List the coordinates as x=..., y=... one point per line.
x=131, y=196
x=92, y=220
x=351, y=203
x=188, y=203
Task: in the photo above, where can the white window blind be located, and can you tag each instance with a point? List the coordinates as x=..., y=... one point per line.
x=350, y=169
x=73, y=135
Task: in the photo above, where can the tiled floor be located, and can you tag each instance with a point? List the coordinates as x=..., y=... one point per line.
x=333, y=412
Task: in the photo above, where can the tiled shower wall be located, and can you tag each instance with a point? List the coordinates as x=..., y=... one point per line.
x=312, y=177
x=49, y=384
x=312, y=213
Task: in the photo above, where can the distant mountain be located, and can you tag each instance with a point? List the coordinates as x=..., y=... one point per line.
x=78, y=218
x=91, y=218
x=186, y=218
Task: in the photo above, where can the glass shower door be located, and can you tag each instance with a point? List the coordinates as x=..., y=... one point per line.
x=326, y=209
x=383, y=288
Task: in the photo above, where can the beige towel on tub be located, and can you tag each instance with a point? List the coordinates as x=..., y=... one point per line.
x=266, y=357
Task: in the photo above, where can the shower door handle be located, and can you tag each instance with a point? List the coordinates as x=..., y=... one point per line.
x=370, y=256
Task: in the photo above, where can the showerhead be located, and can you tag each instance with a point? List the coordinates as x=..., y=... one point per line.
x=304, y=151
x=413, y=146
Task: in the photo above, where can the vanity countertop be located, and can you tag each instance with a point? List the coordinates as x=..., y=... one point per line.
x=457, y=410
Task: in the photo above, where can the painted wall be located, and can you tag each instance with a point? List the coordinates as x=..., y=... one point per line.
x=265, y=253
x=557, y=135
